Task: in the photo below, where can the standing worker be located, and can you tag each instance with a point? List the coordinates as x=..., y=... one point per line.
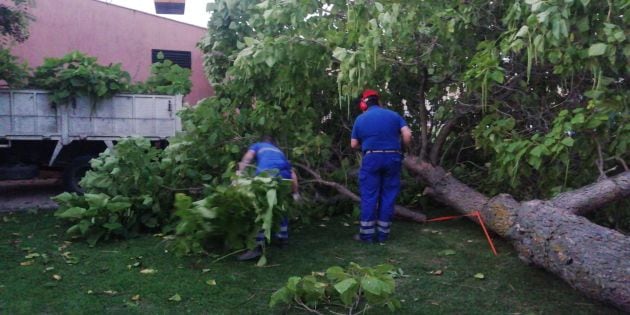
x=377, y=132
x=269, y=158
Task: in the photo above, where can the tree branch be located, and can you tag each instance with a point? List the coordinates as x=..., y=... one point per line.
x=596, y=195
x=441, y=138
x=424, y=115
x=398, y=209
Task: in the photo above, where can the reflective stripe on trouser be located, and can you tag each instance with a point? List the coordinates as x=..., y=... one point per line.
x=379, y=183
x=282, y=234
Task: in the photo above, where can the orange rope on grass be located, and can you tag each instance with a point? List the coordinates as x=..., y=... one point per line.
x=472, y=214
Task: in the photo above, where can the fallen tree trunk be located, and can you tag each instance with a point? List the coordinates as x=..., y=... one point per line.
x=591, y=258
x=398, y=209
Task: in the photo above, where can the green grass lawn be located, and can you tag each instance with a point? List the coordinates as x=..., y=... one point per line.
x=107, y=278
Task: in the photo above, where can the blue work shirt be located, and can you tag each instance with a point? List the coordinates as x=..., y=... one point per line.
x=378, y=129
x=269, y=157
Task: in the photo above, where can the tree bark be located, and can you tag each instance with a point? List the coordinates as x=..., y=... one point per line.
x=588, y=198
x=343, y=190
x=593, y=259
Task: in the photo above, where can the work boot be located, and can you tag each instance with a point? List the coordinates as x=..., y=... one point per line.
x=250, y=254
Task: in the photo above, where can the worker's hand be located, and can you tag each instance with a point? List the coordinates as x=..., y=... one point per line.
x=296, y=197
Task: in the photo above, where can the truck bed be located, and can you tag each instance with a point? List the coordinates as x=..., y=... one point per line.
x=29, y=115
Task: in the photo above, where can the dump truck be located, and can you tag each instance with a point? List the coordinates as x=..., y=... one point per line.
x=36, y=134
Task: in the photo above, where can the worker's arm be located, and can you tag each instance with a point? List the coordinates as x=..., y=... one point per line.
x=405, y=133
x=246, y=160
x=355, y=144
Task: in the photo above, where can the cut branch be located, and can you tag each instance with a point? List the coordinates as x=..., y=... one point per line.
x=596, y=195
x=398, y=209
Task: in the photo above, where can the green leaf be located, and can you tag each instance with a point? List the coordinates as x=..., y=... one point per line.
x=335, y=273
x=578, y=119
x=447, y=252
x=568, y=141
x=283, y=295
x=340, y=53
x=175, y=298
x=372, y=284
x=497, y=76
x=262, y=261
x=71, y=213
x=345, y=285
x=113, y=226
x=597, y=49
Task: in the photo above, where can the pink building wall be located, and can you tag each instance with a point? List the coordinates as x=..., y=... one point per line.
x=113, y=34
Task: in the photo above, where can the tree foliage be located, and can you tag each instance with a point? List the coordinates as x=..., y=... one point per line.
x=14, y=21
x=527, y=97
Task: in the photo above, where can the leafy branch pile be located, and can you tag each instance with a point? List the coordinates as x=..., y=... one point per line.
x=232, y=213
x=166, y=78
x=354, y=290
x=77, y=74
x=124, y=194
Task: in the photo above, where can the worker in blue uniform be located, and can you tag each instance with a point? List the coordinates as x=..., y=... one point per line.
x=270, y=159
x=378, y=133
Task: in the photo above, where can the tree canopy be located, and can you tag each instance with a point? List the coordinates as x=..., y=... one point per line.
x=14, y=21
x=528, y=97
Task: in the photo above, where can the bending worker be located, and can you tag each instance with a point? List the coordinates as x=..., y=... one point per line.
x=377, y=132
x=269, y=158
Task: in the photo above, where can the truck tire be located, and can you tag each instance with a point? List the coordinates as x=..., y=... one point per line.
x=13, y=172
x=74, y=172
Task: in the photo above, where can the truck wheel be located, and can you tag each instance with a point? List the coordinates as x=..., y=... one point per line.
x=74, y=172
x=18, y=172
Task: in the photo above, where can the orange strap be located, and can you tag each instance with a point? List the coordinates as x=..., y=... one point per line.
x=472, y=214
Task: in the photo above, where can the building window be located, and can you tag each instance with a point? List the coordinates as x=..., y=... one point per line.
x=170, y=6
x=180, y=58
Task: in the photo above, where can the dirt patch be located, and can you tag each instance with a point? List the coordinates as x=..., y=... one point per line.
x=23, y=195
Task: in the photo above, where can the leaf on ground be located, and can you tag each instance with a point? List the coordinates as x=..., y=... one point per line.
x=135, y=297
x=205, y=270
x=110, y=292
x=27, y=263
x=148, y=271
x=49, y=269
x=447, y=252
x=90, y=292
x=57, y=277
x=262, y=261
x=480, y=276
x=211, y=282
x=346, y=224
x=31, y=256
x=436, y=272
x=175, y=298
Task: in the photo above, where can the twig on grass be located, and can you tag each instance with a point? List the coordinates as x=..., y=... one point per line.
x=228, y=255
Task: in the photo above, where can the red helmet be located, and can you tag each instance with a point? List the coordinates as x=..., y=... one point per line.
x=364, y=97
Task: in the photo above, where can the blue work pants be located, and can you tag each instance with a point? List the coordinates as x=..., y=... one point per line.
x=379, y=183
